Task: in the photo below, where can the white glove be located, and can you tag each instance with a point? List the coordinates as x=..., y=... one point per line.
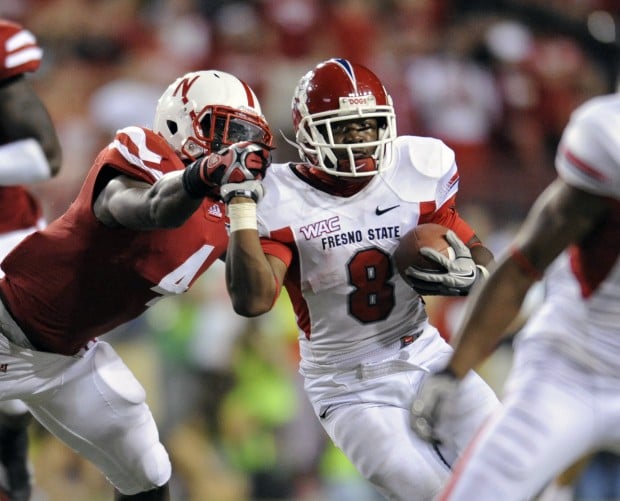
x=461, y=272
x=431, y=404
x=252, y=188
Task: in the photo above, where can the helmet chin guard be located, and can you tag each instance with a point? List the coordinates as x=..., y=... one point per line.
x=333, y=92
x=203, y=111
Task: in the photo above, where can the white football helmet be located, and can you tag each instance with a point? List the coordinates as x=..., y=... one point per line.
x=336, y=91
x=203, y=111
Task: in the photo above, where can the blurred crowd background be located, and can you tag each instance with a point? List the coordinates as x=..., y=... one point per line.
x=496, y=80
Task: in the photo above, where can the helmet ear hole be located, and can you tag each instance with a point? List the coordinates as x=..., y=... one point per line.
x=172, y=126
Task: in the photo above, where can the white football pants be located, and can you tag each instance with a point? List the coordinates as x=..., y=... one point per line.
x=92, y=402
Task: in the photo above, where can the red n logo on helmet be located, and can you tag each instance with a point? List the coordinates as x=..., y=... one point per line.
x=184, y=86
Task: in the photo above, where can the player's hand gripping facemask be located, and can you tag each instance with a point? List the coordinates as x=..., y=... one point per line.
x=239, y=162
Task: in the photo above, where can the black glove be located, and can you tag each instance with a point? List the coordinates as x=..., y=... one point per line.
x=236, y=163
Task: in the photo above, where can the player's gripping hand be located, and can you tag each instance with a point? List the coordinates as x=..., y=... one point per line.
x=431, y=406
x=461, y=272
x=243, y=161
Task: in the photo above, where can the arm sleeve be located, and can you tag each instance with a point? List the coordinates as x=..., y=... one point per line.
x=277, y=249
x=448, y=216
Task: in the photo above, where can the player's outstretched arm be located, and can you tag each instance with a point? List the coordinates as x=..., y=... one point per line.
x=130, y=203
x=561, y=215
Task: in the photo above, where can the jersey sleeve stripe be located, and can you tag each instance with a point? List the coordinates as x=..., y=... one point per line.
x=582, y=166
x=28, y=55
x=135, y=160
x=131, y=144
x=21, y=39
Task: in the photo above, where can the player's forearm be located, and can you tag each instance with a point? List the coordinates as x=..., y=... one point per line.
x=490, y=311
x=169, y=204
x=249, y=276
x=482, y=255
x=135, y=205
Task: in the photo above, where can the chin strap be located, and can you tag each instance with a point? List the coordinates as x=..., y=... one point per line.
x=359, y=165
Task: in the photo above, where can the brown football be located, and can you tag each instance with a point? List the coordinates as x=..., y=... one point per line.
x=407, y=252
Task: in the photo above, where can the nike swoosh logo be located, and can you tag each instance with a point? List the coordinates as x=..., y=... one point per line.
x=379, y=211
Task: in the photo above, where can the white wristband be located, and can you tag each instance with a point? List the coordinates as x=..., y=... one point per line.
x=23, y=162
x=242, y=216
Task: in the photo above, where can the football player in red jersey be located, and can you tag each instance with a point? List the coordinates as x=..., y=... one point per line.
x=145, y=224
x=29, y=152
x=326, y=229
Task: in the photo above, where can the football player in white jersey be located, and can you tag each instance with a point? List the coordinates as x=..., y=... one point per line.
x=29, y=152
x=563, y=394
x=326, y=229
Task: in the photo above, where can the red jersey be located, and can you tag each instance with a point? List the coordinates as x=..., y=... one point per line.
x=19, y=53
x=78, y=279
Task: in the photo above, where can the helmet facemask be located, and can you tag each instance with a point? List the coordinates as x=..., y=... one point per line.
x=316, y=142
x=220, y=126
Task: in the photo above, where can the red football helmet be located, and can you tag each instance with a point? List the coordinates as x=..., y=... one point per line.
x=339, y=91
x=203, y=111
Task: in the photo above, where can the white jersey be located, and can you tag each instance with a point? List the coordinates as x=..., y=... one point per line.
x=583, y=285
x=561, y=400
x=365, y=341
x=348, y=298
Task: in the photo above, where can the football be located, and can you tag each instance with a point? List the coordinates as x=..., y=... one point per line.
x=407, y=252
